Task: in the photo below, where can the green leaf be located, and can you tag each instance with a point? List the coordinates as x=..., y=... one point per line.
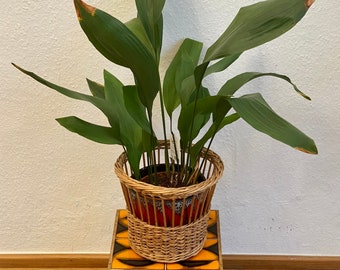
x=216, y=126
x=231, y=86
x=257, y=113
x=114, y=94
x=96, y=89
x=200, y=70
x=136, y=27
x=222, y=64
x=120, y=45
x=194, y=116
x=90, y=131
x=124, y=128
x=113, y=88
x=257, y=24
x=150, y=14
x=131, y=134
x=149, y=142
x=200, y=114
x=175, y=86
x=135, y=108
x=100, y=103
x=220, y=110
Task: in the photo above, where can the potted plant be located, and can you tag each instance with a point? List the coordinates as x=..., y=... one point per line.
x=168, y=182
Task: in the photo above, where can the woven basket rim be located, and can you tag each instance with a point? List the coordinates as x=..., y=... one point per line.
x=166, y=192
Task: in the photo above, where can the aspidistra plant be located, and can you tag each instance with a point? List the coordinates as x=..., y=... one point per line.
x=137, y=45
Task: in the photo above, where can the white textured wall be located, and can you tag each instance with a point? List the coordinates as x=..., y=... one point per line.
x=58, y=192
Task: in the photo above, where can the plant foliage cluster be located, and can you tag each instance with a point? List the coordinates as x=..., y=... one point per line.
x=137, y=46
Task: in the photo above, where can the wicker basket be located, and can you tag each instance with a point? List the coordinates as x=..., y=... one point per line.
x=168, y=224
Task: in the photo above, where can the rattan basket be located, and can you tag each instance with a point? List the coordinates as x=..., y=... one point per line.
x=168, y=224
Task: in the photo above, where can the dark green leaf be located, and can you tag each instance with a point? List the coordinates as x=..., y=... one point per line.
x=200, y=70
x=96, y=89
x=116, y=42
x=113, y=88
x=193, y=117
x=136, y=27
x=200, y=114
x=214, y=128
x=257, y=113
x=114, y=94
x=130, y=131
x=150, y=14
x=231, y=86
x=101, y=104
x=220, y=110
x=257, y=24
x=135, y=108
x=222, y=64
x=90, y=131
x=175, y=86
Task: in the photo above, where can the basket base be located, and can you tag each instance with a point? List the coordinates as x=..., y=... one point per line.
x=122, y=257
x=168, y=245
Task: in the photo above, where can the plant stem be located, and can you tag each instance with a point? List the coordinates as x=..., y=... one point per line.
x=209, y=145
x=151, y=157
x=199, y=75
x=166, y=150
x=190, y=139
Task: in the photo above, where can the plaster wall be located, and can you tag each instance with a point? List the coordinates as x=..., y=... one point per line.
x=58, y=192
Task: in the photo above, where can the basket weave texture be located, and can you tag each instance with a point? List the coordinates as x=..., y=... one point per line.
x=168, y=224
